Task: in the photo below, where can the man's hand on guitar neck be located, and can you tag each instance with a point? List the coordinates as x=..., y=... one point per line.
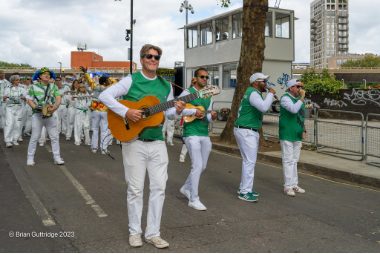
x=179, y=106
x=199, y=114
x=133, y=114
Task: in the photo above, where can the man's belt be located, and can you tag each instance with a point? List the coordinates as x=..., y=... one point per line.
x=244, y=127
x=146, y=139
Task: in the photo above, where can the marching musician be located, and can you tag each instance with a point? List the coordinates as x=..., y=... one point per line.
x=82, y=102
x=147, y=153
x=44, y=98
x=197, y=140
x=69, y=101
x=99, y=113
x=14, y=98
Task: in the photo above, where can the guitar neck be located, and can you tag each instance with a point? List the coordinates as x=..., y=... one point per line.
x=169, y=104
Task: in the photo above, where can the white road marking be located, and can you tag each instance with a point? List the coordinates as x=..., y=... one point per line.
x=82, y=191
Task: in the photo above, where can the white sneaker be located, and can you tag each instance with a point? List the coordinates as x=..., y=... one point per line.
x=42, y=144
x=8, y=144
x=104, y=152
x=185, y=192
x=158, y=242
x=59, y=161
x=67, y=139
x=30, y=162
x=77, y=143
x=135, y=240
x=290, y=192
x=181, y=159
x=298, y=189
x=15, y=143
x=197, y=205
x=94, y=150
x=20, y=139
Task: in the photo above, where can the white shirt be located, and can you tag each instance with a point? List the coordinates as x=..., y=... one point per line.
x=289, y=105
x=121, y=88
x=262, y=105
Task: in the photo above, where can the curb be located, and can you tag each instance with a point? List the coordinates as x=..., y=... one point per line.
x=323, y=171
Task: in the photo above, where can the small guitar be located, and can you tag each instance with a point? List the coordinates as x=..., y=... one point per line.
x=191, y=118
x=152, y=115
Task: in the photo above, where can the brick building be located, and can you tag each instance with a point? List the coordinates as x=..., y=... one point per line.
x=91, y=60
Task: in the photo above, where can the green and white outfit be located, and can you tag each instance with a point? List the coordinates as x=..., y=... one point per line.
x=146, y=154
x=14, y=109
x=291, y=127
x=37, y=94
x=197, y=140
x=246, y=131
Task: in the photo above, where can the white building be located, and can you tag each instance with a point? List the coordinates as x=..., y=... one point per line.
x=328, y=30
x=215, y=42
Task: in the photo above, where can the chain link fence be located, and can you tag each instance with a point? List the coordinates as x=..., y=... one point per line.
x=372, y=139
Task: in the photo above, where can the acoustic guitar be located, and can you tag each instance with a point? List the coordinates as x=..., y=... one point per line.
x=191, y=118
x=152, y=115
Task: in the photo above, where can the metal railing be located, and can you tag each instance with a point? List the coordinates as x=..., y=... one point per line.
x=372, y=139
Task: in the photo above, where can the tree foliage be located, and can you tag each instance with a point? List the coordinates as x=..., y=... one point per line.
x=322, y=83
x=12, y=65
x=369, y=61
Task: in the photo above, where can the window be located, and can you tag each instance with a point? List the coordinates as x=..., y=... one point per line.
x=237, y=26
x=229, y=75
x=268, y=25
x=206, y=33
x=213, y=73
x=282, y=25
x=192, y=37
x=221, y=29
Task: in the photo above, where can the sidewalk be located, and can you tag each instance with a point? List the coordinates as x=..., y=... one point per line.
x=318, y=163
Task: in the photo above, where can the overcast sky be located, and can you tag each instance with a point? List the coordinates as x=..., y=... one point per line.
x=44, y=32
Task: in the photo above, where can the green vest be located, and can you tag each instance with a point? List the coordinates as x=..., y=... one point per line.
x=142, y=87
x=291, y=125
x=248, y=115
x=198, y=127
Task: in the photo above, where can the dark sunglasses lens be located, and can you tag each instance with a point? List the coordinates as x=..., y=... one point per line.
x=149, y=56
x=204, y=77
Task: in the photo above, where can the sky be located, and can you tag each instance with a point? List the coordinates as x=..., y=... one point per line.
x=44, y=32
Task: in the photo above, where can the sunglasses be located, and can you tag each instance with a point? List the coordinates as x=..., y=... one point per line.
x=149, y=56
x=204, y=77
x=299, y=87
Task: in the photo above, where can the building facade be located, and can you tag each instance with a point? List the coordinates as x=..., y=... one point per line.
x=329, y=31
x=215, y=42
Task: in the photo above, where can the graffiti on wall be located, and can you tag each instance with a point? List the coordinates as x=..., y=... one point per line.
x=283, y=79
x=362, y=97
x=334, y=103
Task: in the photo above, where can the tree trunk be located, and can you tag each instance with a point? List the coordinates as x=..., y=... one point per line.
x=251, y=57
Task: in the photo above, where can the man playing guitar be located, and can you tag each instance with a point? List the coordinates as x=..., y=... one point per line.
x=148, y=152
x=197, y=140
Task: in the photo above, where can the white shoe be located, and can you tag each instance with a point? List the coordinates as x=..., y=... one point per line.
x=42, y=144
x=181, y=159
x=94, y=150
x=197, y=205
x=8, y=144
x=290, y=192
x=67, y=139
x=298, y=189
x=20, y=139
x=185, y=192
x=16, y=143
x=135, y=240
x=30, y=162
x=104, y=152
x=158, y=242
x=59, y=161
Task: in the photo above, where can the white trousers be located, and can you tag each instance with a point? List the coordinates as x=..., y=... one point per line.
x=13, y=123
x=168, y=128
x=248, y=142
x=28, y=112
x=2, y=114
x=199, y=148
x=70, y=121
x=62, y=118
x=99, y=120
x=183, y=153
x=51, y=126
x=290, y=153
x=138, y=158
x=82, y=126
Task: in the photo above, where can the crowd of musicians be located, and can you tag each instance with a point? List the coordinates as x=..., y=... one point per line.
x=47, y=106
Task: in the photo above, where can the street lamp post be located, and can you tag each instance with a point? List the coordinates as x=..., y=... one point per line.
x=185, y=5
x=129, y=37
x=60, y=69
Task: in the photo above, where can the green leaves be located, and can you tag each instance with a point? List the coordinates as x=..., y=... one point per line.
x=322, y=84
x=224, y=3
x=369, y=61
